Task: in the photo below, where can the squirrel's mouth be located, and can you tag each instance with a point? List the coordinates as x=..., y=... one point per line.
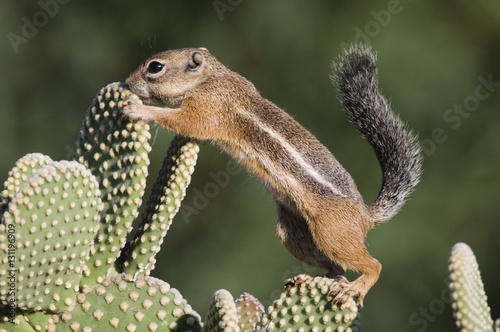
x=152, y=100
x=139, y=89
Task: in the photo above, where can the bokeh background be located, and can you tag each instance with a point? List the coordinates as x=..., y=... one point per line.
x=434, y=60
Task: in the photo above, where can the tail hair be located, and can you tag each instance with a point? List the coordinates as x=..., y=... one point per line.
x=396, y=147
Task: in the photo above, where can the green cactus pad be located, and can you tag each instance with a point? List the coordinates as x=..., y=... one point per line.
x=18, y=323
x=116, y=152
x=470, y=307
x=222, y=314
x=26, y=321
x=168, y=191
x=47, y=235
x=40, y=320
x=250, y=311
x=123, y=304
x=306, y=305
x=23, y=169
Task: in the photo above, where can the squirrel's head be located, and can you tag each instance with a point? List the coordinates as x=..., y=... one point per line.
x=169, y=77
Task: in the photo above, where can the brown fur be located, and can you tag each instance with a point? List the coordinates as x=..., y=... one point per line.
x=322, y=218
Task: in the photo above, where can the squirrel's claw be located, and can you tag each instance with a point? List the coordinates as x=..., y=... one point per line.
x=342, y=291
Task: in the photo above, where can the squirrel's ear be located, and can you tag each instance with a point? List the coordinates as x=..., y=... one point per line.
x=195, y=60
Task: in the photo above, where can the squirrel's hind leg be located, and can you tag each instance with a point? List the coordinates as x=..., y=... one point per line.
x=340, y=234
x=358, y=288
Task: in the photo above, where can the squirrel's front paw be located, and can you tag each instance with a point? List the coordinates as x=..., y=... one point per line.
x=131, y=109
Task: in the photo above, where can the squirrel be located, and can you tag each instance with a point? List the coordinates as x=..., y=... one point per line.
x=322, y=218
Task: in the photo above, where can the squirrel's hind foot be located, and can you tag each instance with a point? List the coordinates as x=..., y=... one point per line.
x=344, y=291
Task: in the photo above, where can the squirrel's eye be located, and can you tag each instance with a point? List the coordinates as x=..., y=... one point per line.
x=155, y=67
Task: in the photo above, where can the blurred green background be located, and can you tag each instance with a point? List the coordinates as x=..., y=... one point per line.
x=434, y=59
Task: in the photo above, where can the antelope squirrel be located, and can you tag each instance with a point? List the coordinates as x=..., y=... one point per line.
x=322, y=218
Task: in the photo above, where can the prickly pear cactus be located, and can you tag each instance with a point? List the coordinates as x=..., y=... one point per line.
x=222, y=314
x=53, y=220
x=19, y=174
x=225, y=314
x=307, y=306
x=116, y=152
x=126, y=304
x=168, y=191
x=250, y=311
x=64, y=225
x=470, y=306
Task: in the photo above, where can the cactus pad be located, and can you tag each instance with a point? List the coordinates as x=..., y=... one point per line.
x=306, y=305
x=222, y=314
x=250, y=311
x=116, y=152
x=470, y=306
x=168, y=191
x=19, y=174
x=46, y=236
x=125, y=304
x=19, y=323
x=26, y=322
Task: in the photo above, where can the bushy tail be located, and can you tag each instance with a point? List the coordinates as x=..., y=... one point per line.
x=397, y=149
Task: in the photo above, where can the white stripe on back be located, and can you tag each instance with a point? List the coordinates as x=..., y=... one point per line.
x=293, y=152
